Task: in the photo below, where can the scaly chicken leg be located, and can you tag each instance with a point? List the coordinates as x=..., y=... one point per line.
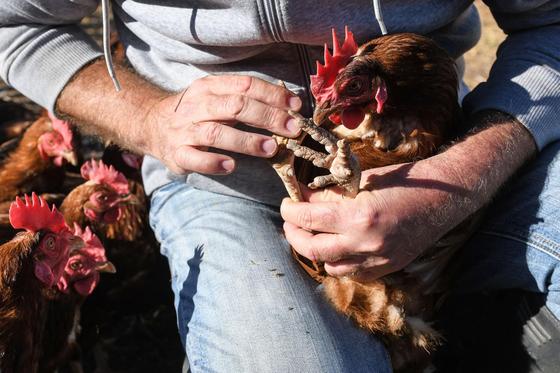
x=343, y=165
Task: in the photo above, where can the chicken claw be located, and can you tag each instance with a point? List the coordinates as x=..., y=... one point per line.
x=343, y=166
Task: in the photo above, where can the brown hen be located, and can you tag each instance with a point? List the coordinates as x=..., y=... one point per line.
x=35, y=164
x=31, y=264
x=392, y=100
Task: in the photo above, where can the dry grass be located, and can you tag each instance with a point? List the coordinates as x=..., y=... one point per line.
x=482, y=56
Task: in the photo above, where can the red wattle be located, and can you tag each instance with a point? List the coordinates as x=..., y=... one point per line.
x=112, y=215
x=352, y=117
x=335, y=118
x=87, y=285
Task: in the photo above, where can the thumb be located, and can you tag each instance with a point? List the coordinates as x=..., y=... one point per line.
x=321, y=195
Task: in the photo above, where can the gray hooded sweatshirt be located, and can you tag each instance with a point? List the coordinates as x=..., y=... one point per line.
x=173, y=42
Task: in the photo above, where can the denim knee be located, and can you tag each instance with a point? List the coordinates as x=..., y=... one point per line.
x=243, y=304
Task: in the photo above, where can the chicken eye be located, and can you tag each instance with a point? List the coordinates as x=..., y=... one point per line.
x=76, y=265
x=50, y=243
x=102, y=198
x=354, y=87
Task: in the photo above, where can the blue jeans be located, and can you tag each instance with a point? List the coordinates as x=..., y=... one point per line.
x=518, y=245
x=243, y=303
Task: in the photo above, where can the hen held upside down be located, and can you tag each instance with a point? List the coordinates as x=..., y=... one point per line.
x=391, y=100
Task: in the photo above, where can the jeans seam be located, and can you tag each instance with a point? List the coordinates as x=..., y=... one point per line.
x=540, y=243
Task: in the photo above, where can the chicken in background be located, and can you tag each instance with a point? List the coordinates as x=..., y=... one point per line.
x=35, y=164
x=392, y=100
x=99, y=201
x=80, y=278
x=132, y=224
x=31, y=266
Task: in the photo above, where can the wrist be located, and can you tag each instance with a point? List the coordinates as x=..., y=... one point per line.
x=485, y=159
x=91, y=102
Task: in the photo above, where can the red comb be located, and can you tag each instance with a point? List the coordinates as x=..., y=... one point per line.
x=93, y=245
x=322, y=82
x=63, y=128
x=100, y=173
x=34, y=215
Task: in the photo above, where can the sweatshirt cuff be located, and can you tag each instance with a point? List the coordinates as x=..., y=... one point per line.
x=526, y=91
x=46, y=63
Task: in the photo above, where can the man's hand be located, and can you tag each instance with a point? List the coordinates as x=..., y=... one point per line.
x=178, y=129
x=183, y=126
x=404, y=209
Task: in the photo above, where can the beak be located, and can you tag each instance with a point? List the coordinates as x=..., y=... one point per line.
x=71, y=157
x=322, y=112
x=106, y=267
x=75, y=243
x=131, y=199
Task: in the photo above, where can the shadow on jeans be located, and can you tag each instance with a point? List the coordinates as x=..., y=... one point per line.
x=495, y=320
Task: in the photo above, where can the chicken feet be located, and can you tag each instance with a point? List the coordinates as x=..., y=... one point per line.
x=343, y=165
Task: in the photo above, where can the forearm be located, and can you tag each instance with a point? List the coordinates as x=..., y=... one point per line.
x=90, y=99
x=479, y=165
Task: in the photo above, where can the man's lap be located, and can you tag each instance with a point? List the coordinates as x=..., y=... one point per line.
x=243, y=303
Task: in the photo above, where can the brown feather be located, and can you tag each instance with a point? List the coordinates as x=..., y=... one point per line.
x=24, y=171
x=420, y=115
x=22, y=306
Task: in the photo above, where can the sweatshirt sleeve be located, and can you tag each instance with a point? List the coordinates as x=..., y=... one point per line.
x=42, y=46
x=525, y=79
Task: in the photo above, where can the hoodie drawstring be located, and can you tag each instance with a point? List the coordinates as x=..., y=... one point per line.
x=105, y=10
x=379, y=16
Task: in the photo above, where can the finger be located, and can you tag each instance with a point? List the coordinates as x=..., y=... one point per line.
x=255, y=88
x=246, y=110
x=334, y=193
x=372, y=274
x=320, y=216
x=321, y=247
x=188, y=158
x=220, y=136
x=361, y=266
x=344, y=267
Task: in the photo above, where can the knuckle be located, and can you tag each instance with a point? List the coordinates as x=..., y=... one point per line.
x=243, y=83
x=247, y=144
x=374, y=245
x=313, y=253
x=194, y=133
x=305, y=219
x=234, y=105
x=213, y=134
x=367, y=218
x=329, y=218
x=271, y=116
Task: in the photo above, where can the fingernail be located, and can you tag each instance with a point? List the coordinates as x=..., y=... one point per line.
x=292, y=126
x=294, y=102
x=227, y=165
x=269, y=146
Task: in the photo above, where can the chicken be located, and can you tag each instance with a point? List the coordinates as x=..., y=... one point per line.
x=79, y=279
x=391, y=100
x=99, y=201
x=132, y=222
x=31, y=265
x=36, y=162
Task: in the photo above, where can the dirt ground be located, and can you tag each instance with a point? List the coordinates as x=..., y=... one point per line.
x=129, y=324
x=479, y=59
